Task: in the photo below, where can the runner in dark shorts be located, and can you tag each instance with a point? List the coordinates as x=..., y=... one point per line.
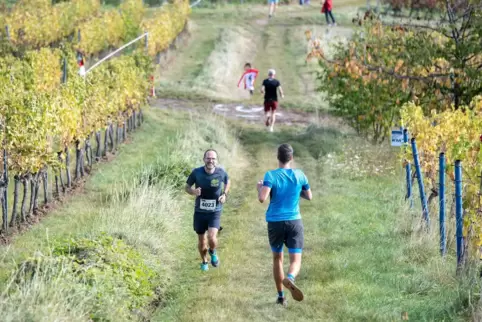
x=270, y=89
x=285, y=186
x=211, y=191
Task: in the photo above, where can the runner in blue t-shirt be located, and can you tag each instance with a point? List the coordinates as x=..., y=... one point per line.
x=211, y=191
x=285, y=186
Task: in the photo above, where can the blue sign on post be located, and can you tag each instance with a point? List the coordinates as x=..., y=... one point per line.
x=397, y=138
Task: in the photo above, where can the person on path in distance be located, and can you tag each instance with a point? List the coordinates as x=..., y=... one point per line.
x=285, y=186
x=270, y=89
x=272, y=7
x=249, y=77
x=211, y=191
x=326, y=9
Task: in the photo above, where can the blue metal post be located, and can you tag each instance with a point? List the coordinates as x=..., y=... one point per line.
x=459, y=211
x=420, y=182
x=408, y=170
x=7, y=31
x=443, y=239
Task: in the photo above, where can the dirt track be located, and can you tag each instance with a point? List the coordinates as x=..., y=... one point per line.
x=249, y=113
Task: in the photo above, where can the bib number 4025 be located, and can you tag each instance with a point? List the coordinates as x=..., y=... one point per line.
x=207, y=204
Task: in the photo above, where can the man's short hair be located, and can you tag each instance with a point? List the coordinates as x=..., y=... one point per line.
x=247, y=65
x=285, y=153
x=210, y=150
x=271, y=72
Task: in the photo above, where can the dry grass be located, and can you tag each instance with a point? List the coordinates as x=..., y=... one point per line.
x=224, y=66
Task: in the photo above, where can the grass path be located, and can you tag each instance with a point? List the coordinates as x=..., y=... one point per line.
x=359, y=263
x=211, y=63
x=362, y=260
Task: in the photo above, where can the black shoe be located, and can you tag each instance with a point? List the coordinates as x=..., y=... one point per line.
x=295, y=291
x=282, y=301
x=251, y=92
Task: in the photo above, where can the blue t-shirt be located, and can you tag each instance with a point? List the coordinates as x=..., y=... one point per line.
x=286, y=186
x=212, y=187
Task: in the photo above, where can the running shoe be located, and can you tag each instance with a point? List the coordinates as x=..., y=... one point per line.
x=282, y=301
x=295, y=291
x=214, y=258
x=204, y=267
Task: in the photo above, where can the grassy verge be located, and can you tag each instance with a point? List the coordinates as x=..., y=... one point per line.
x=112, y=252
x=364, y=259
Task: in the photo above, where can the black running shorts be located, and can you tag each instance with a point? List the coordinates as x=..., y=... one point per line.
x=289, y=233
x=205, y=220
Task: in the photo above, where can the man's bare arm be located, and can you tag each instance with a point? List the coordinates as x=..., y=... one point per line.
x=281, y=92
x=262, y=89
x=191, y=191
x=263, y=191
x=228, y=186
x=306, y=194
x=224, y=196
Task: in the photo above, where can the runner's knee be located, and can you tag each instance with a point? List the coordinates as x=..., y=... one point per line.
x=277, y=256
x=212, y=235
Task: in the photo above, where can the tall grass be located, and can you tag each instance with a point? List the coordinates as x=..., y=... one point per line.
x=147, y=215
x=50, y=295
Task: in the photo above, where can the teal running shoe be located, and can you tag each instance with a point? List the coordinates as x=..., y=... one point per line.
x=214, y=258
x=204, y=267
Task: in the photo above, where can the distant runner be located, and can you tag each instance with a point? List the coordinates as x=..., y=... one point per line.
x=248, y=77
x=211, y=191
x=270, y=88
x=272, y=7
x=285, y=186
x=326, y=9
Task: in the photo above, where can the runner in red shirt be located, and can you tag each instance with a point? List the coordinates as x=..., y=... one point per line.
x=326, y=9
x=248, y=77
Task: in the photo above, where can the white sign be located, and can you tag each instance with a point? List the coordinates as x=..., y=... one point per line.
x=397, y=138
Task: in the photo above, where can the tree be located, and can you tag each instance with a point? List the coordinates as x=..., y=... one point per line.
x=433, y=63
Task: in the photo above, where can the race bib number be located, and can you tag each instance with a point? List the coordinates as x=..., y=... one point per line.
x=208, y=204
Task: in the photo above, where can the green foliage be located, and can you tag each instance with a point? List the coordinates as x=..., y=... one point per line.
x=38, y=23
x=385, y=66
x=106, y=266
x=174, y=173
x=44, y=115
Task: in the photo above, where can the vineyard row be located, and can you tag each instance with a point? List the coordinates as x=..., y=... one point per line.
x=42, y=117
x=37, y=24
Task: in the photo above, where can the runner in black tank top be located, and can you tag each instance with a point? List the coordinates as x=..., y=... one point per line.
x=270, y=89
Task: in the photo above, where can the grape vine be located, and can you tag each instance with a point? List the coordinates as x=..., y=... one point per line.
x=43, y=120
